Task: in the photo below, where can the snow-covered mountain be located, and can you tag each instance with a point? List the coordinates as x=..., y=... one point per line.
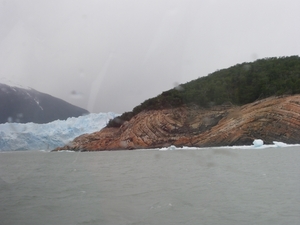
x=25, y=105
x=32, y=136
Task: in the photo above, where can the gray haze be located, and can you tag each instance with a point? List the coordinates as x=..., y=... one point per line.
x=111, y=55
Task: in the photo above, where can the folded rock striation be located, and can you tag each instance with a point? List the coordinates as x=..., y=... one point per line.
x=270, y=119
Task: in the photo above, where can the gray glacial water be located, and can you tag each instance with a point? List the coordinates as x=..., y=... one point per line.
x=204, y=186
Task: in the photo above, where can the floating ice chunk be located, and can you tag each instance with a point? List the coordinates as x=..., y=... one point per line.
x=172, y=147
x=280, y=144
x=258, y=143
x=67, y=151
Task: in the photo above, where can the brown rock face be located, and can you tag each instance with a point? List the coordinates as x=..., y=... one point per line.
x=271, y=119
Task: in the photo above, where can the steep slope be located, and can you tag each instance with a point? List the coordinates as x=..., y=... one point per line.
x=271, y=119
x=240, y=84
x=28, y=105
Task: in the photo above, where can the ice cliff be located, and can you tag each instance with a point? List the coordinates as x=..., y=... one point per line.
x=32, y=136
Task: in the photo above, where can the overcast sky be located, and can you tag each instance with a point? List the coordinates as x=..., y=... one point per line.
x=111, y=55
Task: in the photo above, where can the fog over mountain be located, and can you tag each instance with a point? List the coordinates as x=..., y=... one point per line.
x=112, y=55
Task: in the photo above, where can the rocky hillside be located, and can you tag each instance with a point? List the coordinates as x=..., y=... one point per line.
x=240, y=84
x=270, y=119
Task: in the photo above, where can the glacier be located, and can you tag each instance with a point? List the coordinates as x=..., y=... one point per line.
x=33, y=136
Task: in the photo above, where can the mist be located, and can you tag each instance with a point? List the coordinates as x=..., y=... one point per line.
x=112, y=55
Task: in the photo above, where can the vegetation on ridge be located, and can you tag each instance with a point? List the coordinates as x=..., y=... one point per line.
x=240, y=84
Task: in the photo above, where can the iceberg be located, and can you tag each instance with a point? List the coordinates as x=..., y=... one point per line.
x=258, y=143
x=33, y=136
x=280, y=144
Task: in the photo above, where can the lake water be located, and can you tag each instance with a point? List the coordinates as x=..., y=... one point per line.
x=204, y=186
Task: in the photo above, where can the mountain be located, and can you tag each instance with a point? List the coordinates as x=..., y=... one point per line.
x=238, y=85
x=28, y=105
x=232, y=106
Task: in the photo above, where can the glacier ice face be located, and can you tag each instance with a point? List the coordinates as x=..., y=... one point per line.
x=32, y=136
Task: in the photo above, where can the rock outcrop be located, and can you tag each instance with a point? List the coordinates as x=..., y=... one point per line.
x=271, y=119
